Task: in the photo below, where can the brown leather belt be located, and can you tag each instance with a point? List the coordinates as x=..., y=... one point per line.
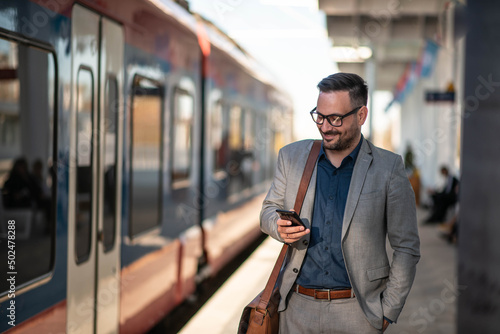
x=324, y=293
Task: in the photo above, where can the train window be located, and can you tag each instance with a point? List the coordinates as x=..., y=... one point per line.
x=27, y=162
x=146, y=148
x=182, y=138
x=220, y=137
x=110, y=152
x=262, y=134
x=249, y=131
x=235, y=133
x=84, y=163
x=247, y=161
x=235, y=151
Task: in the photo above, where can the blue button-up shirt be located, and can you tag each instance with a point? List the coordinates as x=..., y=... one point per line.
x=323, y=266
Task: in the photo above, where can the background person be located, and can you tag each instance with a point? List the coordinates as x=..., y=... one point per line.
x=443, y=199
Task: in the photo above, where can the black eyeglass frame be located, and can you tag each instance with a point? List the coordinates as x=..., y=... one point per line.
x=330, y=117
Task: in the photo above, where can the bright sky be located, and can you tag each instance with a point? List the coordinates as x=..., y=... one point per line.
x=288, y=37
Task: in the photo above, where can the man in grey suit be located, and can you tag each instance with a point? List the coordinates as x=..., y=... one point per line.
x=337, y=277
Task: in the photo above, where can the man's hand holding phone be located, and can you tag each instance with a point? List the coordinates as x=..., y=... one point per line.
x=290, y=226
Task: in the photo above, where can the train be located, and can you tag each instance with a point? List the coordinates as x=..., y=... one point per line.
x=137, y=141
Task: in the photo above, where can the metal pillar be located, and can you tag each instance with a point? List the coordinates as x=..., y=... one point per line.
x=478, y=288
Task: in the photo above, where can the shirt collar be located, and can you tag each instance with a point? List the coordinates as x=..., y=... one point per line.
x=353, y=154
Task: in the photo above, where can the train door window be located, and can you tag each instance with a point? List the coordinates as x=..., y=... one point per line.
x=182, y=138
x=27, y=163
x=84, y=174
x=110, y=155
x=146, y=148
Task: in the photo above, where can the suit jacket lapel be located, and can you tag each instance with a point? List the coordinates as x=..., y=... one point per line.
x=358, y=179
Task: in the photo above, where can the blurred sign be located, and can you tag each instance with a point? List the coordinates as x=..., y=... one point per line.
x=439, y=96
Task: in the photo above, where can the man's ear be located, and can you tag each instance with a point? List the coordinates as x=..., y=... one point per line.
x=362, y=115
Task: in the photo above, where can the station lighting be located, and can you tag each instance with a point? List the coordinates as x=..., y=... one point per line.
x=348, y=54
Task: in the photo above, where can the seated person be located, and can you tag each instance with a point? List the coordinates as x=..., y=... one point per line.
x=442, y=200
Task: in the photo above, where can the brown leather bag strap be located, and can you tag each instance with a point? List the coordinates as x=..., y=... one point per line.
x=306, y=175
x=301, y=194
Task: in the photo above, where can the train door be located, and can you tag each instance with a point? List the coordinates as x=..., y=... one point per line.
x=93, y=288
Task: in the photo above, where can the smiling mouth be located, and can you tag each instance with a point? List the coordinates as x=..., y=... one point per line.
x=329, y=135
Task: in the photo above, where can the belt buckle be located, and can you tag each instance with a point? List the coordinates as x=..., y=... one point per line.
x=323, y=290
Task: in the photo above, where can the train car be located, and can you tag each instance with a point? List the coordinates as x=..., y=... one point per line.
x=136, y=142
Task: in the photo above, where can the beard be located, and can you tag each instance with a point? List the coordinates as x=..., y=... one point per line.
x=342, y=141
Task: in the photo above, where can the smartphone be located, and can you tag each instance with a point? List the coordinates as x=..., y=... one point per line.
x=291, y=216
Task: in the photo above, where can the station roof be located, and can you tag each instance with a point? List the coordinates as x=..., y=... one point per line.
x=393, y=32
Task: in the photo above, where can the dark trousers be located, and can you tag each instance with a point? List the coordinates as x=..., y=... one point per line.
x=441, y=202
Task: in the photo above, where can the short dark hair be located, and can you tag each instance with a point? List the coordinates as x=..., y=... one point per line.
x=348, y=82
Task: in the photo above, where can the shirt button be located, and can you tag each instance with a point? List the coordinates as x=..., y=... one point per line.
x=331, y=197
x=295, y=270
x=305, y=242
x=326, y=248
x=328, y=223
x=326, y=272
x=335, y=173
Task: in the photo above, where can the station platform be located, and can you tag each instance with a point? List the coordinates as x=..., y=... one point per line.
x=430, y=307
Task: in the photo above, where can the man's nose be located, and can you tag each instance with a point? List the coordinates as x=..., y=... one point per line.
x=326, y=126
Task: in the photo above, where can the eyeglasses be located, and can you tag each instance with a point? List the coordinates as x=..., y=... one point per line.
x=333, y=119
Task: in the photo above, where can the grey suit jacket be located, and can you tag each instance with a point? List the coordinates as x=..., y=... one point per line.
x=380, y=204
